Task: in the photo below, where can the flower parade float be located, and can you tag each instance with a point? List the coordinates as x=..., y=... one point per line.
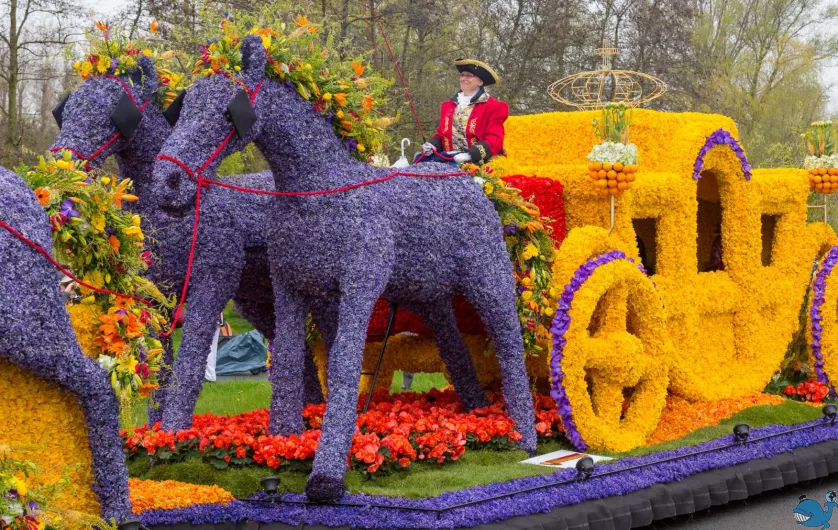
x=673, y=304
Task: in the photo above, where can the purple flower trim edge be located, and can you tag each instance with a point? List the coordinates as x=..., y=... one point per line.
x=721, y=137
x=815, y=313
x=561, y=323
x=538, y=501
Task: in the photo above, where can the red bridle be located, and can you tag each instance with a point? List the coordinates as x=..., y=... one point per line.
x=100, y=150
x=197, y=173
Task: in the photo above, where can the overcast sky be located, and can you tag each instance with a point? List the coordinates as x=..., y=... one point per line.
x=829, y=74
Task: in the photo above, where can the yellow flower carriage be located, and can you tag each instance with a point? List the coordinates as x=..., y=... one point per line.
x=730, y=256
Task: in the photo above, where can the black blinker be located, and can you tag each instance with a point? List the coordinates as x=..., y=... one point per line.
x=126, y=116
x=172, y=112
x=241, y=113
x=58, y=111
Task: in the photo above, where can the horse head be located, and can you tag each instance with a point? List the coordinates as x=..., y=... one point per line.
x=218, y=117
x=103, y=116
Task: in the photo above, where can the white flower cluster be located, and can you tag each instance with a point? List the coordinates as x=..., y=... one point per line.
x=611, y=152
x=826, y=161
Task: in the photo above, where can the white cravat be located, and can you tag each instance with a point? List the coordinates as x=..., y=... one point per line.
x=463, y=100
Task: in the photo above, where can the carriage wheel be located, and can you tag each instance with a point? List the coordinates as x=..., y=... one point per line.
x=609, y=369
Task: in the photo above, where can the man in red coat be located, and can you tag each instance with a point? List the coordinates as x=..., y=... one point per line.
x=471, y=122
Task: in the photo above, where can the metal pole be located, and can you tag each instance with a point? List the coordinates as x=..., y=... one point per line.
x=390, y=320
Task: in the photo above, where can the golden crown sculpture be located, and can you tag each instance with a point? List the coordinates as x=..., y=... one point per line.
x=590, y=90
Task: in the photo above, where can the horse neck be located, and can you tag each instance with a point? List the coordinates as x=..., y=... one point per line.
x=300, y=145
x=136, y=160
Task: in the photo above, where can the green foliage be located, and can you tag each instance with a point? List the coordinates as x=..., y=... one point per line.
x=614, y=123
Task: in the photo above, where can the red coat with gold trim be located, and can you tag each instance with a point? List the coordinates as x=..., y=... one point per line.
x=484, y=130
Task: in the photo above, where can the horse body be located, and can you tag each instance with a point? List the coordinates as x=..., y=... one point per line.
x=231, y=254
x=417, y=240
x=36, y=334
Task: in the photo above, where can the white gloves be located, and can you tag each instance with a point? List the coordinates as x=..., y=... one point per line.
x=428, y=147
x=462, y=158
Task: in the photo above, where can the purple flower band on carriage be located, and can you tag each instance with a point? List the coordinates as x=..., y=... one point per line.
x=816, y=314
x=721, y=137
x=538, y=501
x=561, y=323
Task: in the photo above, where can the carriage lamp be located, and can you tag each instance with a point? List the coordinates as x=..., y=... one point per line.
x=584, y=468
x=270, y=484
x=742, y=431
x=829, y=412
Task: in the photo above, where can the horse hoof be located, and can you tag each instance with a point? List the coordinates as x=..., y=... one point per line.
x=321, y=488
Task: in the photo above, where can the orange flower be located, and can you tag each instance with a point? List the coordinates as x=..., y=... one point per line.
x=43, y=196
x=153, y=27
x=123, y=302
x=346, y=124
x=367, y=103
x=114, y=243
x=301, y=21
x=358, y=67
x=169, y=494
x=340, y=98
x=101, y=25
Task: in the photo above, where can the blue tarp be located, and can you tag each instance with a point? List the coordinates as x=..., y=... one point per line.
x=243, y=354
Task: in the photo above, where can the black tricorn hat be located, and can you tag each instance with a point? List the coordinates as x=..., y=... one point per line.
x=478, y=68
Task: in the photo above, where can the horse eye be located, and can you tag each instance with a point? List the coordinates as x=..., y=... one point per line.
x=227, y=116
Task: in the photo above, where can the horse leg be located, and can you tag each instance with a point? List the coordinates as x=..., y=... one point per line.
x=287, y=367
x=212, y=288
x=495, y=303
x=344, y=371
x=439, y=317
x=324, y=316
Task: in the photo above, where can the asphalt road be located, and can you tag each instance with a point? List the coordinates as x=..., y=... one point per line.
x=770, y=511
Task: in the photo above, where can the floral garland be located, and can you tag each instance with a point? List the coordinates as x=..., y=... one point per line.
x=816, y=315
x=721, y=137
x=103, y=245
x=822, y=162
x=398, y=431
x=337, y=88
x=111, y=52
x=620, y=430
x=532, y=251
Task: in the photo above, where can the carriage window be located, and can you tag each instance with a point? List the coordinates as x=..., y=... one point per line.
x=768, y=224
x=647, y=246
x=709, y=241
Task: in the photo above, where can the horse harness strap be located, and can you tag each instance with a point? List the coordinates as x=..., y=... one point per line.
x=101, y=149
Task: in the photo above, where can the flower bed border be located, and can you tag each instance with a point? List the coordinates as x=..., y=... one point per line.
x=526, y=496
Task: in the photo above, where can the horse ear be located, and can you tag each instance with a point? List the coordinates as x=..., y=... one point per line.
x=172, y=112
x=58, y=111
x=126, y=116
x=253, y=58
x=241, y=113
x=145, y=76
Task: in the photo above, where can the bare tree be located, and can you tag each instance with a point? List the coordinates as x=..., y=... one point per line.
x=32, y=29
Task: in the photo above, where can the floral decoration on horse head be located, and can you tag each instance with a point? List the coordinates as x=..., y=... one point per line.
x=111, y=52
x=338, y=89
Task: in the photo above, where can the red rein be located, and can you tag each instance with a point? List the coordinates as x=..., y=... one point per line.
x=87, y=159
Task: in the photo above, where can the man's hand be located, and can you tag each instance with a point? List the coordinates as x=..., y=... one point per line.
x=462, y=158
x=428, y=148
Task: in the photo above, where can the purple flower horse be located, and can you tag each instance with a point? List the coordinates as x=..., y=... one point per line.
x=35, y=334
x=417, y=241
x=231, y=257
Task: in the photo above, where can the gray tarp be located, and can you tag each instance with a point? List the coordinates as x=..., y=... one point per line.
x=243, y=354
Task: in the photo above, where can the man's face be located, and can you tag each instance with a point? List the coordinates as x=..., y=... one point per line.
x=469, y=83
